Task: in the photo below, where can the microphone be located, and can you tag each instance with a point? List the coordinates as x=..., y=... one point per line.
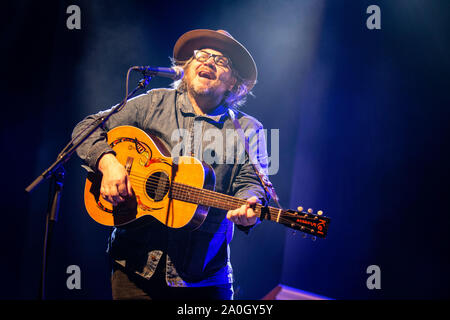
x=174, y=73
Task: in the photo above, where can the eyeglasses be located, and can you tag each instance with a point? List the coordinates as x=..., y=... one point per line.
x=203, y=56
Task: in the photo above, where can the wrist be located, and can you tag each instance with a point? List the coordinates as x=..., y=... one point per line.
x=105, y=160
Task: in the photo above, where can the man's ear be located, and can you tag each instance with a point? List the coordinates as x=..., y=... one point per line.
x=233, y=81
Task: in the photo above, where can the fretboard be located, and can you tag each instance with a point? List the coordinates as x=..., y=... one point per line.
x=217, y=200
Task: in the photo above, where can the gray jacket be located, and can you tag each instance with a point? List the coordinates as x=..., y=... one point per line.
x=193, y=258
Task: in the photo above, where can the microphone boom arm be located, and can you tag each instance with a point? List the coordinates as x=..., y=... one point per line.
x=56, y=173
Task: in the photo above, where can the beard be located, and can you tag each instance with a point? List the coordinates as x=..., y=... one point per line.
x=200, y=91
x=204, y=91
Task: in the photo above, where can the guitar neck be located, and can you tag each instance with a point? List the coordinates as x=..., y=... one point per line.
x=217, y=200
x=305, y=222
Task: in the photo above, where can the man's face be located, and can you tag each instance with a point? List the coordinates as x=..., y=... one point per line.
x=208, y=79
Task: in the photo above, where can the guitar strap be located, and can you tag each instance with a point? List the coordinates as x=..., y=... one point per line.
x=265, y=182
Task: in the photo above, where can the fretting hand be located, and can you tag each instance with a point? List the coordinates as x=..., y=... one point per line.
x=244, y=215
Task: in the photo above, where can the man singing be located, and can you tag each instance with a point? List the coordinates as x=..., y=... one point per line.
x=153, y=261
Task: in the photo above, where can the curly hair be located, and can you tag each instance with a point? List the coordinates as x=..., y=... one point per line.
x=235, y=98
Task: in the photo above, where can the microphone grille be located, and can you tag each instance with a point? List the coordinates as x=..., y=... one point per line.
x=179, y=73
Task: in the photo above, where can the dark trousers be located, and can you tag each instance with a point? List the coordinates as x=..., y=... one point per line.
x=127, y=285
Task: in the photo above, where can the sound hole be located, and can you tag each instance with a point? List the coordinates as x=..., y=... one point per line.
x=157, y=185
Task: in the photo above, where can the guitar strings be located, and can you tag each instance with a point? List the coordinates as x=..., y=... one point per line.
x=154, y=181
x=213, y=198
x=210, y=195
x=189, y=190
x=217, y=199
x=198, y=192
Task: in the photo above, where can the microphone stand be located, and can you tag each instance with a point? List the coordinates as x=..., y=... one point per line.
x=55, y=173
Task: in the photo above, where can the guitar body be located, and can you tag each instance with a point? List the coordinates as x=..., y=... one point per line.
x=152, y=172
x=177, y=192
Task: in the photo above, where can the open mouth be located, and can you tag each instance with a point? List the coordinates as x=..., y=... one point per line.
x=206, y=74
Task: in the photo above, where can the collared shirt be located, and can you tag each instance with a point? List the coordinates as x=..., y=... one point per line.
x=192, y=258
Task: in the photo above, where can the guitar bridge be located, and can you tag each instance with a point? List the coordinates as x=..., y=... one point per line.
x=129, y=164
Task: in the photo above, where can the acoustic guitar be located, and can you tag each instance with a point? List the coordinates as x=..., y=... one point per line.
x=175, y=191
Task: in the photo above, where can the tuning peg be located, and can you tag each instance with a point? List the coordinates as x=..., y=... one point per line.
x=310, y=210
x=320, y=212
x=300, y=209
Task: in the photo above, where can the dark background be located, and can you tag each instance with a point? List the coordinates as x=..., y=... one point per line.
x=363, y=120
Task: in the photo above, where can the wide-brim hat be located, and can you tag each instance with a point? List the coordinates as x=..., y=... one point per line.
x=220, y=40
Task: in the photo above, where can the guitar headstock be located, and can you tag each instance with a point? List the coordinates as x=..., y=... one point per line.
x=315, y=224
